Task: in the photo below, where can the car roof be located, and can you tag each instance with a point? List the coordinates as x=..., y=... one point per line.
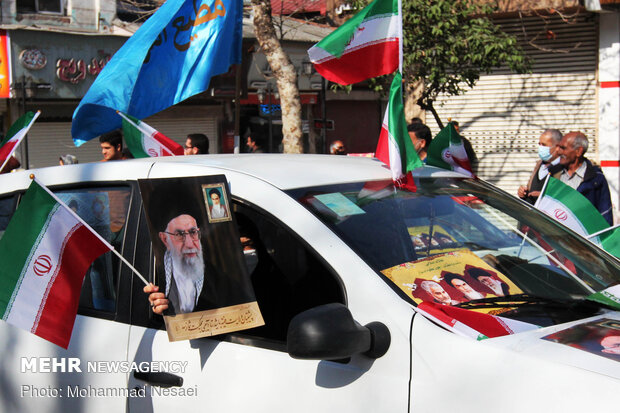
x=280, y=170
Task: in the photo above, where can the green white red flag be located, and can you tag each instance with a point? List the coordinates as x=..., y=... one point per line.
x=366, y=46
x=15, y=135
x=395, y=148
x=448, y=152
x=609, y=240
x=45, y=252
x=569, y=207
x=144, y=141
x=472, y=324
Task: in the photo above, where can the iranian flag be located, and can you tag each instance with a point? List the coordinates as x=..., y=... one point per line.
x=143, y=141
x=14, y=136
x=472, y=324
x=447, y=151
x=395, y=148
x=366, y=46
x=569, y=207
x=609, y=240
x=45, y=253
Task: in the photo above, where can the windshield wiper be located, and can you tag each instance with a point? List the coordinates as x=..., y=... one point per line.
x=521, y=300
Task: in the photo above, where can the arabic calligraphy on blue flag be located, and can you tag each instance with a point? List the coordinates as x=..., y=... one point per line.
x=166, y=61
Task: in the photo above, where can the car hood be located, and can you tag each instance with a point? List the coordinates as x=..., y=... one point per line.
x=510, y=373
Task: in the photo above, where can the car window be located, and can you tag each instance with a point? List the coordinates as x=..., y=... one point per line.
x=455, y=241
x=287, y=276
x=7, y=207
x=105, y=210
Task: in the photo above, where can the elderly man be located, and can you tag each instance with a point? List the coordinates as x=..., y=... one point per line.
x=548, y=164
x=579, y=173
x=437, y=292
x=185, y=270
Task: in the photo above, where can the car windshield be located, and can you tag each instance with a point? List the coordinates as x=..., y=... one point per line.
x=459, y=241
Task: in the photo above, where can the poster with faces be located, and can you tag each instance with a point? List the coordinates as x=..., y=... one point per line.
x=199, y=259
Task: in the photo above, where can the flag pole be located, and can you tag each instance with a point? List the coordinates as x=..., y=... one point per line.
x=535, y=206
x=76, y=216
x=596, y=234
x=36, y=115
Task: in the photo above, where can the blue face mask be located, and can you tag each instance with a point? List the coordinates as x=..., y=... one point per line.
x=544, y=152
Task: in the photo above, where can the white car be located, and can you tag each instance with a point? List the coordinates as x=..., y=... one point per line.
x=338, y=269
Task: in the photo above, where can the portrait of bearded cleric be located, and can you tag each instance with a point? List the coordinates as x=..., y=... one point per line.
x=199, y=264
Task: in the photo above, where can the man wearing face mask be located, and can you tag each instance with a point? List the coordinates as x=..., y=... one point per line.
x=421, y=137
x=549, y=163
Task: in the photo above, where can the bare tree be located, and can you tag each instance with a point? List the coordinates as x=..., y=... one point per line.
x=285, y=74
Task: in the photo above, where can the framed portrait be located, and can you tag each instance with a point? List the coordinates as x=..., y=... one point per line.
x=199, y=261
x=216, y=202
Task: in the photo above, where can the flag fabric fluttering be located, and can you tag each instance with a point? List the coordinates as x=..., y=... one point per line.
x=569, y=207
x=171, y=57
x=447, y=151
x=144, y=141
x=609, y=239
x=15, y=135
x=395, y=147
x=366, y=46
x=45, y=252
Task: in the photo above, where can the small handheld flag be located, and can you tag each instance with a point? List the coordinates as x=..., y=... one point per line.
x=15, y=135
x=144, y=141
x=447, y=151
x=569, y=207
x=395, y=147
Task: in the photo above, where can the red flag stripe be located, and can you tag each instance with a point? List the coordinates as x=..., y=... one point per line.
x=58, y=314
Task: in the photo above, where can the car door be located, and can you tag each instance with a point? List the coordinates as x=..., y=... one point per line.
x=296, y=264
x=36, y=375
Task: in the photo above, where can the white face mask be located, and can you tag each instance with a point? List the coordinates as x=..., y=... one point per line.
x=544, y=153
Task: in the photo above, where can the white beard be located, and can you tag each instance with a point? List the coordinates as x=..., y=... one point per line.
x=474, y=295
x=188, y=275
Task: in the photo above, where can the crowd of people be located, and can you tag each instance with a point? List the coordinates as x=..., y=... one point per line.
x=561, y=156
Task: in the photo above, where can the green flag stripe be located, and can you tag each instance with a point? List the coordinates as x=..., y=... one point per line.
x=408, y=154
x=21, y=237
x=133, y=139
x=19, y=124
x=336, y=43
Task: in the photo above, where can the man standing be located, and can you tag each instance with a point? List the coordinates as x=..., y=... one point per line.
x=549, y=163
x=579, y=173
x=254, y=144
x=196, y=144
x=111, y=146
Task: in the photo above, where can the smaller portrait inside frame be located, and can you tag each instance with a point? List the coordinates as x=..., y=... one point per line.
x=215, y=202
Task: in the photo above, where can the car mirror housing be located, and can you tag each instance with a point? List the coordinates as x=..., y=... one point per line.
x=329, y=332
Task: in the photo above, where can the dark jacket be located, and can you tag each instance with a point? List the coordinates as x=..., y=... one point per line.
x=535, y=184
x=594, y=187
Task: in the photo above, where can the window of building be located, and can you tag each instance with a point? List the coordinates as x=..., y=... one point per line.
x=40, y=6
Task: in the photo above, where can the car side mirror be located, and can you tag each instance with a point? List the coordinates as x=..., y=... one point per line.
x=329, y=332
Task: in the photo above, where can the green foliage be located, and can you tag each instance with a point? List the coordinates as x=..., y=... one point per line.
x=449, y=43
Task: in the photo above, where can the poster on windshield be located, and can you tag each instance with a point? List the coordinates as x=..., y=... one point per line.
x=600, y=337
x=451, y=278
x=199, y=259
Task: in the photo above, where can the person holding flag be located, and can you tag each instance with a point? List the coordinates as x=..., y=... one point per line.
x=580, y=174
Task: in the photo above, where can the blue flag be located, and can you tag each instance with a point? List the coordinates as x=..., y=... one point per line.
x=166, y=61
